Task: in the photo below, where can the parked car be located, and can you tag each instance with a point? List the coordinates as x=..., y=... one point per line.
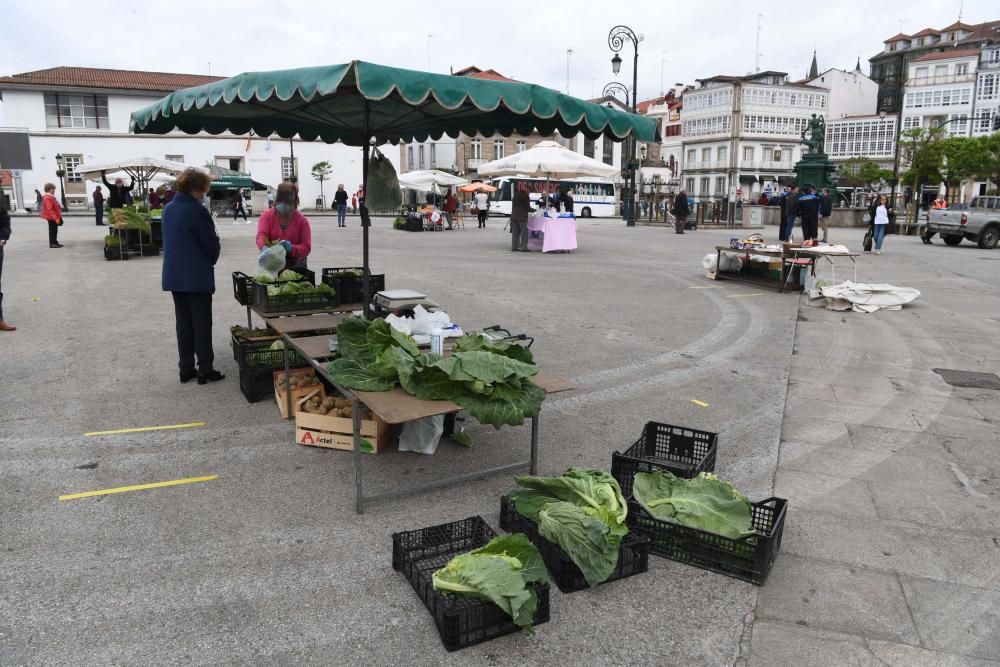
x=979, y=223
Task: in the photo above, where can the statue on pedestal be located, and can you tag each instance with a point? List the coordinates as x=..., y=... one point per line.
x=816, y=142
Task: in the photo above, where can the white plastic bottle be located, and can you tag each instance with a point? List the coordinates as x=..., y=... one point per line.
x=437, y=341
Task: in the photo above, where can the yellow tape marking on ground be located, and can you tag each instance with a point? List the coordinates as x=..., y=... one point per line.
x=701, y=403
x=146, y=428
x=740, y=296
x=138, y=487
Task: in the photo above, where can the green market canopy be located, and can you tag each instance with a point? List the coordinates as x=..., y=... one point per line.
x=230, y=179
x=361, y=104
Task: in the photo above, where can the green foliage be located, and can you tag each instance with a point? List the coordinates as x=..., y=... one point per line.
x=491, y=381
x=863, y=172
x=399, y=223
x=962, y=158
x=321, y=172
x=921, y=149
x=288, y=292
x=704, y=502
x=582, y=511
x=989, y=167
x=501, y=572
x=112, y=241
x=288, y=274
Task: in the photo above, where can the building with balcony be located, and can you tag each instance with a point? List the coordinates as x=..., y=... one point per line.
x=865, y=136
x=743, y=133
x=940, y=91
x=987, y=101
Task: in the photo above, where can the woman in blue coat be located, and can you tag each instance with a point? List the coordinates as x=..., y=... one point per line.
x=190, y=251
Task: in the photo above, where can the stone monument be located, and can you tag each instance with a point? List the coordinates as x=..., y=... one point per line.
x=815, y=167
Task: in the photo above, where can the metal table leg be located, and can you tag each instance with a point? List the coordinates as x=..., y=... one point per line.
x=359, y=495
x=288, y=382
x=534, y=445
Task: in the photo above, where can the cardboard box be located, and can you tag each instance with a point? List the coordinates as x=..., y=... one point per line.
x=338, y=432
x=298, y=393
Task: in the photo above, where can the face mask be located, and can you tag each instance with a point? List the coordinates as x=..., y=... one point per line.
x=283, y=208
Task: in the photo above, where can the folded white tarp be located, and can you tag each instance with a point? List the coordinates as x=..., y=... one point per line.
x=862, y=297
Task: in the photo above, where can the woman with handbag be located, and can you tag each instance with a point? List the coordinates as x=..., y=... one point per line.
x=880, y=221
x=52, y=212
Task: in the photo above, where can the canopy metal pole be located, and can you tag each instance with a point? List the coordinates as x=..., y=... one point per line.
x=365, y=218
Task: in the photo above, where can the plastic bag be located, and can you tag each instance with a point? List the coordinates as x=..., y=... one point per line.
x=422, y=436
x=731, y=263
x=425, y=322
x=271, y=261
x=383, y=193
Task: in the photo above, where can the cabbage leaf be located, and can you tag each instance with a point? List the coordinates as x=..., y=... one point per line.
x=704, y=502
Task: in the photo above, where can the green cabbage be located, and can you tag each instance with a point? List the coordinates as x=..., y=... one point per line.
x=704, y=502
x=501, y=572
x=288, y=274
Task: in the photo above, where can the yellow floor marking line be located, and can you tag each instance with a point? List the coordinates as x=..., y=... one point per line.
x=701, y=403
x=740, y=296
x=146, y=428
x=137, y=487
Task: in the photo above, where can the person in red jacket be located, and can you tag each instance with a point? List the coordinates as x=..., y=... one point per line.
x=284, y=225
x=52, y=212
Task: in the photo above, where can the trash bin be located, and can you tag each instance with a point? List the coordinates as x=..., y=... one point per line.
x=755, y=219
x=319, y=203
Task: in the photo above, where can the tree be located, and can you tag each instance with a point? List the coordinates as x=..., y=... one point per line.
x=864, y=172
x=988, y=168
x=962, y=159
x=921, y=149
x=321, y=172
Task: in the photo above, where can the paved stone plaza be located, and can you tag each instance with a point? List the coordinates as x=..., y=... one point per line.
x=891, y=551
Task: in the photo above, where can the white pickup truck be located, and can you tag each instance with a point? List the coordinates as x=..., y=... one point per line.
x=980, y=223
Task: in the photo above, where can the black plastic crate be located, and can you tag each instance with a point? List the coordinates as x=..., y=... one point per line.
x=243, y=290
x=351, y=288
x=633, y=554
x=680, y=450
x=749, y=559
x=115, y=252
x=256, y=386
x=268, y=304
x=460, y=621
x=257, y=357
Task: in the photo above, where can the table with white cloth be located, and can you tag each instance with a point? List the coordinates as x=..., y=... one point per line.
x=550, y=234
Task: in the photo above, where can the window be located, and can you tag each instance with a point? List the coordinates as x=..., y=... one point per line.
x=987, y=88
x=607, y=152
x=691, y=156
x=940, y=71
x=722, y=154
x=522, y=146
x=433, y=155
x=689, y=185
x=420, y=156
x=476, y=149
x=498, y=146
x=702, y=126
x=410, y=164
x=748, y=153
x=720, y=185
x=961, y=68
x=588, y=148
x=911, y=122
x=288, y=168
x=921, y=73
x=76, y=111
x=704, y=186
x=706, y=154
x=174, y=158
x=71, y=163
x=786, y=154
x=994, y=56
x=776, y=155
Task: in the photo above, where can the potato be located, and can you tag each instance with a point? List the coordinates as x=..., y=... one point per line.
x=321, y=411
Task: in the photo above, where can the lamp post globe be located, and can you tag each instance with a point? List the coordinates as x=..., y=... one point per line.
x=61, y=174
x=616, y=64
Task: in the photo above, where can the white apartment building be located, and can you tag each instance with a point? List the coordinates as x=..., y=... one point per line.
x=869, y=136
x=987, y=103
x=940, y=91
x=83, y=115
x=743, y=132
x=851, y=93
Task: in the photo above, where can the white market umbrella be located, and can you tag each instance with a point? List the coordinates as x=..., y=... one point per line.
x=140, y=169
x=427, y=179
x=548, y=160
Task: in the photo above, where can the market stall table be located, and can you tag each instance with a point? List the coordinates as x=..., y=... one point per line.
x=558, y=234
x=799, y=253
x=397, y=407
x=788, y=261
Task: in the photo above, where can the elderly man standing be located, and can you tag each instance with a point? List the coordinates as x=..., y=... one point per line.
x=520, y=208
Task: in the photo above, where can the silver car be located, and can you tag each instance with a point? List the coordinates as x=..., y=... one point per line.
x=979, y=223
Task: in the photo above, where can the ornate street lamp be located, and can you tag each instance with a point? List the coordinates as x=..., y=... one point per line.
x=61, y=175
x=617, y=38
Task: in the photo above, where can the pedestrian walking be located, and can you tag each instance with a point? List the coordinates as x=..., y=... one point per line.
x=482, y=208
x=52, y=212
x=809, y=204
x=520, y=209
x=354, y=204
x=825, y=211
x=568, y=201
x=99, y=205
x=153, y=199
x=190, y=250
x=881, y=222
x=238, y=209
x=681, y=211
x=4, y=237
x=340, y=199
x=270, y=199
x=790, y=213
x=118, y=194
x=450, y=206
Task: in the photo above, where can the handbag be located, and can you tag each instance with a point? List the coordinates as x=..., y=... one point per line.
x=867, y=243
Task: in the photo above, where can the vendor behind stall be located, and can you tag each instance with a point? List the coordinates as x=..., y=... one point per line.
x=285, y=225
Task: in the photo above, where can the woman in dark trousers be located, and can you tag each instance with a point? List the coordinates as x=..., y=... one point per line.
x=340, y=199
x=4, y=236
x=190, y=251
x=238, y=209
x=52, y=212
x=680, y=211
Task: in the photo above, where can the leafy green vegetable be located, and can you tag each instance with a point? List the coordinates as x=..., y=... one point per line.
x=288, y=291
x=491, y=381
x=242, y=332
x=582, y=511
x=288, y=274
x=704, y=502
x=264, y=277
x=500, y=572
x=278, y=345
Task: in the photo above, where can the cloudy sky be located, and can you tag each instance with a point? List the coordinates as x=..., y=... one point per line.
x=523, y=40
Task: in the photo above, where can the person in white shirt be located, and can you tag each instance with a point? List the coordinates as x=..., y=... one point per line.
x=482, y=201
x=881, y=223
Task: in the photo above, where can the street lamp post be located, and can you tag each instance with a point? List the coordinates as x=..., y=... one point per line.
x=61, y=174
x=616, y=41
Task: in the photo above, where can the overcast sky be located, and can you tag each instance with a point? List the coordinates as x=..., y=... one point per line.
x=522, y=40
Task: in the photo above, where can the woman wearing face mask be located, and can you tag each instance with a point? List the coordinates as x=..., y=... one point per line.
x=190, y=251
x=284, y=225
